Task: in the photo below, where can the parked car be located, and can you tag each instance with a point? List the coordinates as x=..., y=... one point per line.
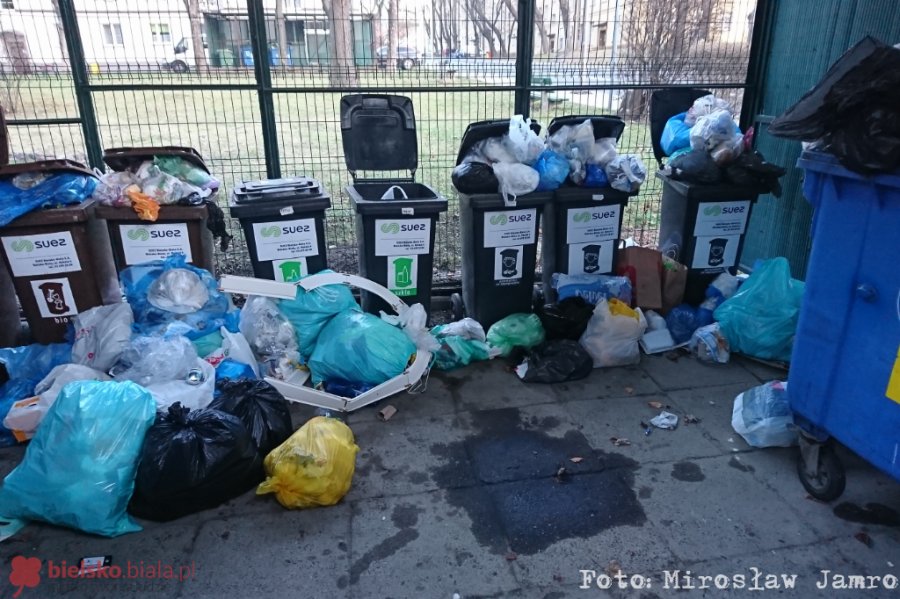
x=407, y=58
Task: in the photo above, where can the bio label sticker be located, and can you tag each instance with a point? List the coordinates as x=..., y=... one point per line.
x=716, y=252
x=290, y=270
x=591, y=258
x=43, y=254
x=586, y=225
x=508, y=264
x=282, y=240
x=403, y=275
x=402, y=236
x=54, y=298
x=722, y=218
x=510, y=227
x=143, y=243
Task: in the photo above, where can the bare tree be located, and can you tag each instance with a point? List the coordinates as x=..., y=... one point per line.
x=281, y=31
x=61, y=34
x=342, y=70
x=393, y=26
x=542, y=29
x=565, y=15
x=195, y=17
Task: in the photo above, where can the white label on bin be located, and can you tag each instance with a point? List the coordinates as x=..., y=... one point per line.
x=722, y=218
x=407, y=211
x=403, y=275
x=290, y=270
x=286, y=211
x=716, y=252
x=510, y=227
x=45, y=254
x=591, y=258
x=144, y=243
x=54, y=298
x=592, y=224
x=285, y=239
x=405, y=237
x=508, y=264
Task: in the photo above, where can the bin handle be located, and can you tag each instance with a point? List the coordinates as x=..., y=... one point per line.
x=389, y=195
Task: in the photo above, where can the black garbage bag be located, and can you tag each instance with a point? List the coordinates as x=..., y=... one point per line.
x=474, y=177
x=193, y=461
x=854, y=111
x=558, y=361
x=567, y=319
x=696, y=166
x=750, y=169
x=260, y=407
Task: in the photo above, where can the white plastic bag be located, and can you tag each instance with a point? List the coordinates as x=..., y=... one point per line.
x=489, y=151
x=25, y=415
x=101, y=335
x=705, y=106
x=612, y=335
x=763, y=417
x=515, y=180
x=149, y=360
x=712, y=129
x=626, y=172
x=523, y=143
x=708, y=344
x=178, y=290
x=414, y=322
x=603, y=152
x=467, y=328
x=194, y=390
x=270, y=335
x=234, y=347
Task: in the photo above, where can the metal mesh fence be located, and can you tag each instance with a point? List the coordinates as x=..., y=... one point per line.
x=194, y=72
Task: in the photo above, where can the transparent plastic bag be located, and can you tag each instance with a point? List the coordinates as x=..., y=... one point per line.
x=314, y=467
x=515, y=330
x=709, y=345
x=413, y=320
x=110, y=190
x=515, y=180
x=612, y=334
x=523, y=143
x=186, y=171
x=626, y=172
x=101, y=335
x=149, y=360
x=704, y=106
x=79, y=469
x=763, y=417
x=270, y=335
x=713, y=129
x=728, y=150
x=178, y=290
x=603, y=152
x=467, y=328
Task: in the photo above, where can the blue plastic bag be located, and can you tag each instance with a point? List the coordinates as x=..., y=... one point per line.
x=682, y=322
x=59, y=190
x=760, y=320
x=137, y=282
x=553, y=169
x=310, y=311
x=592, y=287
x=361, y=348
x=79, y=469
x=26, y=366
x=595, y=176
x=676, y=135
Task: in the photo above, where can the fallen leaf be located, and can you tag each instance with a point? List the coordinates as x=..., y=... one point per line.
x=613, y=568
x=629, y=390
x=620, y=441
x=863, y=538
x=575, y=460
x=656, y=405
x=691, y=419
x=558, y=577
x=511, y=557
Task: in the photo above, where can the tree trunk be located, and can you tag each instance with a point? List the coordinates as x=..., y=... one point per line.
x=196, y=20
x=565, y=15
x=342, y=70
x=281, y=32
x=393, y=32
x=61, y=35
x=542, y=31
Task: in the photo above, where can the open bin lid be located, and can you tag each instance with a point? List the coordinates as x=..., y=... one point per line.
x=379, y=133
x=605, y=125
x=120, y=159
x=481, y=130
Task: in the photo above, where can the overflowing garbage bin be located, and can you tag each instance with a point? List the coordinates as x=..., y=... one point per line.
x=284, y=225
x=582, y=225
x=396, y=217
x=174, y=229
x=845, y=368
x=58, y=263
x=499, y=240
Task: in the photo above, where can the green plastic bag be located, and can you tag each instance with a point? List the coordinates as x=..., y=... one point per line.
x=310, y=311
x=516, y=330
x=457, y=351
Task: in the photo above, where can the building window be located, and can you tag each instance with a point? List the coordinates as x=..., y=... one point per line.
x=112, y=35
x=601, y=35
x=160, y=33
x=7, y=4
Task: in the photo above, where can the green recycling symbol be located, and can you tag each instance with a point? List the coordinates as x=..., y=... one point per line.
x=139, y=234
x=499, y=219
x=390, y=228
x=714, y=210
x=582, y=217
x=273, y=231
x=22, y=245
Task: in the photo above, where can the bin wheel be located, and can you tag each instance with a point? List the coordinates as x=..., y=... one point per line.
x=457, y=308
x=829, y=480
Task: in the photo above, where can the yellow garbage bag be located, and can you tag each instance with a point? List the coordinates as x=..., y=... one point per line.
x=313, y=467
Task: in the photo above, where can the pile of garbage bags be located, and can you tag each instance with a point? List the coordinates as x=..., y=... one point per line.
x=520, y=162
x=706, y=146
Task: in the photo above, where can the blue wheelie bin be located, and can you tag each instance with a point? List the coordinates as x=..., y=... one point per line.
x=844, y=379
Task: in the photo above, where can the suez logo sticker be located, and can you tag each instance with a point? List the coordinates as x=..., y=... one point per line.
x=717, y=209
x=402, y=237
x=394, y=228
x=287, y=239
x=143, y=243
x=722, y=218
x=44, y=254
x=590, y=225
x=510, y=228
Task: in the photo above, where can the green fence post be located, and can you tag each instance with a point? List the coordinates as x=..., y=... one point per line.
x=257, y=24
x=524, y=57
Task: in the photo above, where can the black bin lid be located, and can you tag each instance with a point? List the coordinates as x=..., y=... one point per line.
x=481, y=130
x=379, y=133
x=274, y=190
x=605, y=125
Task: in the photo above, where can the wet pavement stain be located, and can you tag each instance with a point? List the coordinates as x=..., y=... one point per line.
x=645, y=492
x=687, y=472
x=517, y=502
x=873, y=513
x=739, y=465
x=404, y=517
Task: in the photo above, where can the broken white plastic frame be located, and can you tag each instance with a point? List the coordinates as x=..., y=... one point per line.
x=294, y=387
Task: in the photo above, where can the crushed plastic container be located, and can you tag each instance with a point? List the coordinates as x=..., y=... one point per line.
x=396, y=217
x=499, y=242
x=178, y=229
x=582, y=225
x=284, y=225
